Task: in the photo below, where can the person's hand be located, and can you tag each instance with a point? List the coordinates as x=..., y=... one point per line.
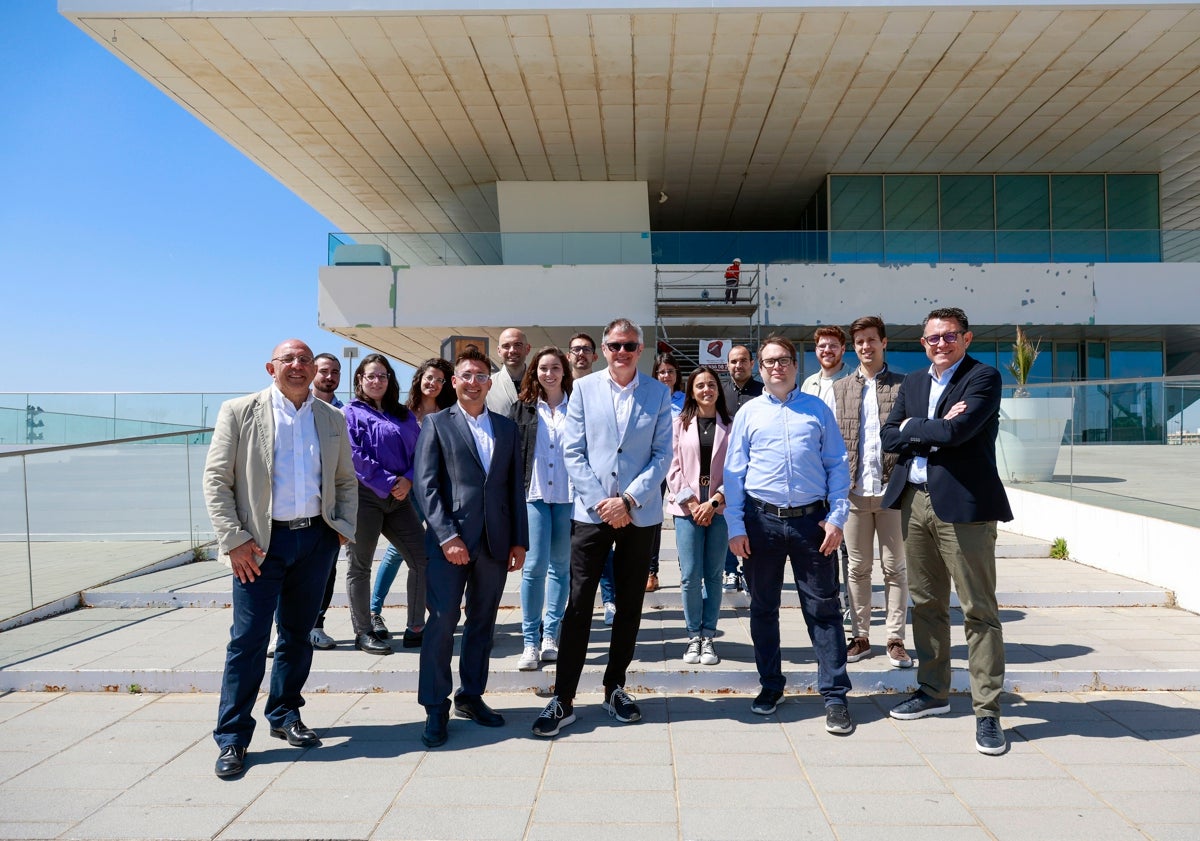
x=956, y=410
x=342, y=539
x=244, y=560
x=740, y=546
x=833, y=537
x=456, y=552
x=401, y=488
x=516, y=558
x=702, y=514
x=612, y=511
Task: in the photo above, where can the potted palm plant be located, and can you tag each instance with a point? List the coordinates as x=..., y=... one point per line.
x=1031, y=428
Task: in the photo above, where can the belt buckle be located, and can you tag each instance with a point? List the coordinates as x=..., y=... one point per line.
x=300, y=523
x=704, y=480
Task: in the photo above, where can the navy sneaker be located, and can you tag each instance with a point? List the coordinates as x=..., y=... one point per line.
x=989, y=735
x=766, y=702
x=919, y=705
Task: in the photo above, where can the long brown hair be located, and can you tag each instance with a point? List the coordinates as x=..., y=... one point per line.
x=445, y=398
x=532, y=389
x=691, y=407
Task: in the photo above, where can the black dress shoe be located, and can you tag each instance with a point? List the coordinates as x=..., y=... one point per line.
x=368, y=643
x=473, y=707
x=435, y=729
x=231, y=762
x=412, y=639
x=378, y=628
x=297, y=735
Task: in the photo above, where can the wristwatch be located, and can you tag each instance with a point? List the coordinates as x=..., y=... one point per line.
x=714, y=503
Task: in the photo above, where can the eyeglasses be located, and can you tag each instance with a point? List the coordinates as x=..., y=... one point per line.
x=628, y=347
x=581, y=350
x=948, y=338
x=297, y=360
x=776, y=362
x=473, y=378
x=828, y=346
x=433, y=380
x=376, y=378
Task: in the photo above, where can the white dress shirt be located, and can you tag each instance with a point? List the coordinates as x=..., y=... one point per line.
x=485, y=439
x=869, y=480
x=295, y=460
x=622, y=396
x=918, y=471
x=549, y=481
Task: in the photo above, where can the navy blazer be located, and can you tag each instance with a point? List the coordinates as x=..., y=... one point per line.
x=458, y=497
x=964, y=485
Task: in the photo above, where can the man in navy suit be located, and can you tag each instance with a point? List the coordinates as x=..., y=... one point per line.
x=471, y=484
x=617, y=446
x=943, y=426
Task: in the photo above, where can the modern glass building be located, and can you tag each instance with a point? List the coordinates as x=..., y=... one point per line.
x=552, y=167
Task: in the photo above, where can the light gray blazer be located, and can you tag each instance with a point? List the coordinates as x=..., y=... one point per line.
x=600, y=465
x=237, y=473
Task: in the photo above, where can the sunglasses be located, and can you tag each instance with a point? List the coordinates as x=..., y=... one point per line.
x=614, y=347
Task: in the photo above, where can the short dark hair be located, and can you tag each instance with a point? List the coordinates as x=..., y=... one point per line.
x=328, y=356
x=590, y=340
x=832, y=331
x=472, y=354
x=866, y=323
x=948, y=313
x=776, y=339
x=668, y=359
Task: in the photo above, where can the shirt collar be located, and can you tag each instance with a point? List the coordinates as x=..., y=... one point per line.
x=945, y=377
x=614, y=384
x=543, y=402
x=278, y=401
x=787, y=398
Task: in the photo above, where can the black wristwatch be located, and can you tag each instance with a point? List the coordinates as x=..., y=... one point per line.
x=714, y=503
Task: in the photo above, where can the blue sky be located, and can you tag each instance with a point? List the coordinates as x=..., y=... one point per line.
x=143, y=252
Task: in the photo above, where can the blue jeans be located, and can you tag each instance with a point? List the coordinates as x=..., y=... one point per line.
x=773, y=542
x=701, y=562
x=288, y=591
x=608, y=591
x=546, y=576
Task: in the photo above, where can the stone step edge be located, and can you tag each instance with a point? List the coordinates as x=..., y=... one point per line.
x=1148, y=597
x=706, y=681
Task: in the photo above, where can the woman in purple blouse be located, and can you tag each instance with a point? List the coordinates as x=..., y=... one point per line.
x=383, y=436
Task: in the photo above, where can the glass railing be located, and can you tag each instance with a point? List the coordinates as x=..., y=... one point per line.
x=1131, y=444
x=719, y=247
x=55, y=418
x=76, y=516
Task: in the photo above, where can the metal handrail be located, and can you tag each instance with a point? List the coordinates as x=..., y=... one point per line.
x=58, y=448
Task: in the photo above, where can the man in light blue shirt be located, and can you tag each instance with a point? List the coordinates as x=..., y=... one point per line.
x=786, y=498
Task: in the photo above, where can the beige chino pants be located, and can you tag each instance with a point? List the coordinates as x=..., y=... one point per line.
x=868, y=520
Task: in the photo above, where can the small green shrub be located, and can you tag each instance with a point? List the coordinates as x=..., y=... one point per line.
x=1058, y=549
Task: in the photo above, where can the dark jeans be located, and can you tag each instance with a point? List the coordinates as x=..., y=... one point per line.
x=482, y=581
x=396, y=520
x=774, y=541
x=288, y=592
x=590, y=544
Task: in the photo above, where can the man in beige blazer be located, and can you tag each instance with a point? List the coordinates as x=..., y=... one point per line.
x=281, y=491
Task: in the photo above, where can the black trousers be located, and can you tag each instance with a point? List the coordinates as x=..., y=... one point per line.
x=631, y=563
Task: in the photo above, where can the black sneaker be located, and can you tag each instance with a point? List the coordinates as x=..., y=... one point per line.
x=837, y=720
x=766, y=702
x=919, y=705
x=620, y=706
x=989, y=736
x=555, y=717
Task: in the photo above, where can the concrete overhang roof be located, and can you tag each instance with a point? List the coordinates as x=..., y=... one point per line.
x=396, y=119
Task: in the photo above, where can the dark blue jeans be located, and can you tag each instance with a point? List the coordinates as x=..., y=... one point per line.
x=289, y=590
x=774, y=541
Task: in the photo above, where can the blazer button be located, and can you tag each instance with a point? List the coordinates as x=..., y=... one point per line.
x=614, y=473
x=619, y=451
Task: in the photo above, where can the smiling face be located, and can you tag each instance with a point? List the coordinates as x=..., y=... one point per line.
x=777, y=367
x=622, y=363
x=472, y=382
x=374, y=381
x=870, y=348
x=942, y=353
x=582, y=356
x=829, y=353
x=667, y=375
x=292, y=369
x=550, y=373
x=704, y=390
x=329, y=376
x=514, y=349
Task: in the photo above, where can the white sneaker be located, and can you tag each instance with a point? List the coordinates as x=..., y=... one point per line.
x=708, y=653
x=729, y=581
x=692, y=655
x=549, y=649
x=610, y=610
x=529, y=659
x=320, y=639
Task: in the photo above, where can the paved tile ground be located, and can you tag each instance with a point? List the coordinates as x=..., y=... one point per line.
x=1095, y=765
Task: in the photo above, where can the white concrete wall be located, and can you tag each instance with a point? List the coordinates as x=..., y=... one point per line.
x=355, y=296
x=1155, y=551
x=1017, y=293
x=564, y=222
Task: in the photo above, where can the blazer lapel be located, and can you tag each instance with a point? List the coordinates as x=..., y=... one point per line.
x=264, y=421
x=459, y=422
x=954, y=387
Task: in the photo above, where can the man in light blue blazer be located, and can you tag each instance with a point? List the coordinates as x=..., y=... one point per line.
x=617, y=447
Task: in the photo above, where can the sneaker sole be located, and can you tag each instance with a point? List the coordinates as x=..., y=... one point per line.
x=691, y=662
x=925, y=713
x=991, y=751
x=562, y=722
x=636, y=716
x=901, y=664
x=757, y=710
x=840, y=731
x=856, y=657
x=549, y=657
x=710, y=662
x=527, y=667
x=325, y=646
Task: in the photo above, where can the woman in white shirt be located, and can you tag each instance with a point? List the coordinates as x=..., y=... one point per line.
x=540, y=413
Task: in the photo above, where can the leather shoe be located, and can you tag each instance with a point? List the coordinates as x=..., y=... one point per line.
x=371, y=645
x=435, y=729
x=297, y=735
x=413, y=639
x=473, y=707
x=231, y=762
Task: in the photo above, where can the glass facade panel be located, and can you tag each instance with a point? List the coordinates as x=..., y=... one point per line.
x=1022, y=202
x=968, y=203
x=906, y=357
x=1066, y=361
x=856, y=203
x=1077, y=202
x=911, y=202
x=1132, y=202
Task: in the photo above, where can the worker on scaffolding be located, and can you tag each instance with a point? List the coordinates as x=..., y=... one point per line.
x=732, y=279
